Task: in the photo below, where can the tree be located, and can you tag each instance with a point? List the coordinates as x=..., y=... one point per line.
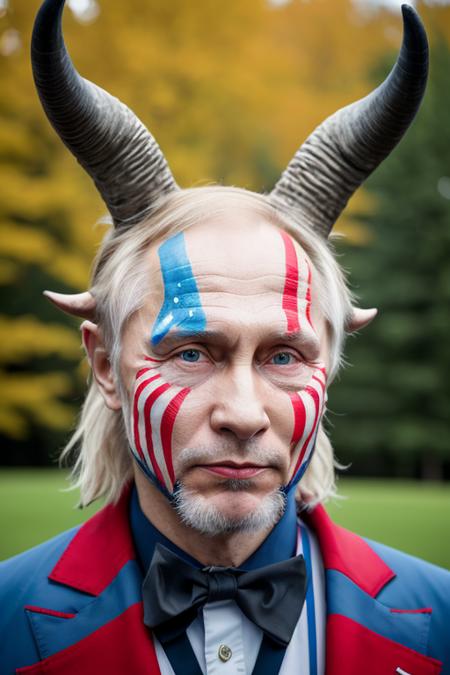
x=396, y=393
x=229, y=92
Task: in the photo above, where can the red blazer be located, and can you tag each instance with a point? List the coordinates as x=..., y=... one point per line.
x=83, y=613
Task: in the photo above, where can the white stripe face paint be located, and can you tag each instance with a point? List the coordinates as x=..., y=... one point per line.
x=156, y=403
x=233, y=305
x=155, y=407
x=308, y=404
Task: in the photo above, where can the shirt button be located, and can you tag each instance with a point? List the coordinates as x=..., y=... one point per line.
x=225, y=653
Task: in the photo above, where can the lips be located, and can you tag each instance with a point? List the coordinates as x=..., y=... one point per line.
x=233, y=470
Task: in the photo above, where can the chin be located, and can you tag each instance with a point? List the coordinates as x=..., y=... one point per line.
x=229, y=511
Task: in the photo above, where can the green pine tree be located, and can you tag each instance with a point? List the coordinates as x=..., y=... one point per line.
x=396, y=393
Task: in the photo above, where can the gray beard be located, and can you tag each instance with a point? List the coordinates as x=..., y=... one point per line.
x=195, y=512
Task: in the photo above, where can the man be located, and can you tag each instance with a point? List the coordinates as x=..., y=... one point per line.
x=213, y=326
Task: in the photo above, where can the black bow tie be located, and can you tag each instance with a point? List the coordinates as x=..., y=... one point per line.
x=271, y=597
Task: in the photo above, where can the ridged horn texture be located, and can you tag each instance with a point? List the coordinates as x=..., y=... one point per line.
x=339, y=155
x=106, y=137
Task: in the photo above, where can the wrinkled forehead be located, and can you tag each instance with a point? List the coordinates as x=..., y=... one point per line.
x=242, y=250
x=247, y=250
x=237, y=276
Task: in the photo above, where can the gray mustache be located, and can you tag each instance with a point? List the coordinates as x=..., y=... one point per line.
x=251, y=451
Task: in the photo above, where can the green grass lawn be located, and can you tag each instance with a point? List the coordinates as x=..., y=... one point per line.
x=410, y=516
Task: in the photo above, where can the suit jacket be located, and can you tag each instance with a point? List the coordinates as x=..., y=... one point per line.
x=73, y=605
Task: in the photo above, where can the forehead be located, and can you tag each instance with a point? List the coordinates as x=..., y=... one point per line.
x=242, y=249
x=236, y=276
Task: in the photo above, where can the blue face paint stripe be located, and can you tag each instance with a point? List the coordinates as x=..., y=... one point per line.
x=182, y=306
x=302, y=468
x=145, y=470
x=310, y=607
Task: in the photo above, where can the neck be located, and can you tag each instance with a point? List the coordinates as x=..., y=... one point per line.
x=227, y=550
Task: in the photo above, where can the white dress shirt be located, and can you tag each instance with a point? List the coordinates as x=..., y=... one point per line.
x=223, y=624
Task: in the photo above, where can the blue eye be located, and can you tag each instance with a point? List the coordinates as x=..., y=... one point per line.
x=282, y=359
x=190, y=355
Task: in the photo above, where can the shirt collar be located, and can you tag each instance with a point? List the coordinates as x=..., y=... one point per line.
x=279, y=545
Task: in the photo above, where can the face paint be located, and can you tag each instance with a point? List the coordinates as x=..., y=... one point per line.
x=308, y=296
x=295, y=318
x=155, y=407
x=290, y=293
x=156, y=403
x=182, y=306
x=307, y=404
x=156, y=428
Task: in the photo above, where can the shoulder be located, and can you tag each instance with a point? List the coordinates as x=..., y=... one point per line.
x=24, y=583
x=362, y=559
x=413, y=575
x=27, y=568
x=423, y=588
x=416, y=583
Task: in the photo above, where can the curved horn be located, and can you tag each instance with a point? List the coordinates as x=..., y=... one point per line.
x=77, y=304
x=340, y=154
x=106, y=137
x=360, y=318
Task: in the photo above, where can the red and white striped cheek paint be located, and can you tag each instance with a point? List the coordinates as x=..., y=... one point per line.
x=155, y=407
x=307, y=404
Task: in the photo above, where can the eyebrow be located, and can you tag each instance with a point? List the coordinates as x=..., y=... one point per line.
x=176, y=336
x=292, y=336
x=309, y=341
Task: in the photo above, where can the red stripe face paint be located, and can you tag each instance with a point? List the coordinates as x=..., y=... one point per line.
x=308, y=295
x=140, y=388
x=167, y=423
x=308, y=403
x=308, y=406
x=299, y=417
x=290, y=293
x=296, y=305
x=155, y=407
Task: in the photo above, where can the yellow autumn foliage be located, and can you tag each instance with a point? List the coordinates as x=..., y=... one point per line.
x=25, y=397
x=28, y=338
x=230, y=91
x=9, y=272
x=26, y=244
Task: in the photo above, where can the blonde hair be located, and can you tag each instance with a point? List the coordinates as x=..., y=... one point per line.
x=103, y=462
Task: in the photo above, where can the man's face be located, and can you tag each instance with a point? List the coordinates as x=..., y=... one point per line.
x=225, y=365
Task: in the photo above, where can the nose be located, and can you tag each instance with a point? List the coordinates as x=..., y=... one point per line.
x=238, y=406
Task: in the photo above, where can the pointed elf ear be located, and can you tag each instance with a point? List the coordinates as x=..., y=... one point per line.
x=100, y=363
x=90, y=335
x=76, y=304
x=360, y=318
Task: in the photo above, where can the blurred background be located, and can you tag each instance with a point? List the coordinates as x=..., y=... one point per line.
x=230, y=90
